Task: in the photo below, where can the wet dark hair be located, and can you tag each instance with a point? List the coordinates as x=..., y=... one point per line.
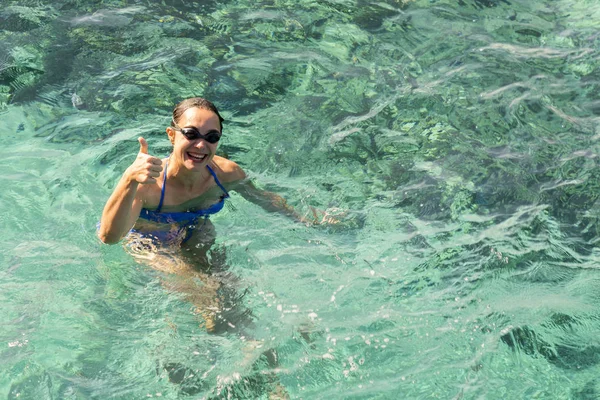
x=195, y=102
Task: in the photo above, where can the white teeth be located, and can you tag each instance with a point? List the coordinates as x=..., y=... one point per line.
x=197, y=156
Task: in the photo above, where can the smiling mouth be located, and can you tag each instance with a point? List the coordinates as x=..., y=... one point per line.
x=196, y=157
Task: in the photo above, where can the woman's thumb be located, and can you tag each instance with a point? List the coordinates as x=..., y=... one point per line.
x=143, y=145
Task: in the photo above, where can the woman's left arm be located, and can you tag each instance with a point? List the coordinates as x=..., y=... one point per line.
x=235, y=179
x=268, y=201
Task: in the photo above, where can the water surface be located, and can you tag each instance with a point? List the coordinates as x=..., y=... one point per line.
x=460, y=138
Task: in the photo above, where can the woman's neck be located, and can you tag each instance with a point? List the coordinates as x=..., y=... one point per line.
x=184, y=178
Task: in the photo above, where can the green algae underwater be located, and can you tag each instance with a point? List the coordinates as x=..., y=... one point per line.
x=457, y=140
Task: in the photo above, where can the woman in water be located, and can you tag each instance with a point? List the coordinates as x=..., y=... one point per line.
x=171, y=199
x=162, y=206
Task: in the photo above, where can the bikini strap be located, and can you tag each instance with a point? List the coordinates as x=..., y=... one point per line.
x=162, y=190
x=217, y=180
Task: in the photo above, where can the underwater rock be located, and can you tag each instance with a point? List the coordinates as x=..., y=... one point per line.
x=21, y=71
x=371, y=17
x=564, y=355
x=588, y=392
x=526, y=340
x=487, y=3
x=23, y=19
x=190, y=382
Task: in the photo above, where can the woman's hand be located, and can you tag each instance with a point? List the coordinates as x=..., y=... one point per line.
x=125, y=203
x=331, y=216
x=146, y=168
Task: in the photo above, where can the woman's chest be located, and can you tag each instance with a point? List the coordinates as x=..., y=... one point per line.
x=176, y=199
x=181, y=201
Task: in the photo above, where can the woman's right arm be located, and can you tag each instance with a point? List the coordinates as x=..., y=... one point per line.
x=125, y=203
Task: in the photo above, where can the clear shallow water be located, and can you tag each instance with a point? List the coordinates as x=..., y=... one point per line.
x=460, y=137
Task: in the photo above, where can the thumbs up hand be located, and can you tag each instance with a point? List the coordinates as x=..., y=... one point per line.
x=146, y=168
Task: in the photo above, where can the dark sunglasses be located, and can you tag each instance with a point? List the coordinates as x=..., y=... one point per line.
x=193, y=134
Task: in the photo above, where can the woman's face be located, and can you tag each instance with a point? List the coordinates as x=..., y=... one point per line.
x=194, y=154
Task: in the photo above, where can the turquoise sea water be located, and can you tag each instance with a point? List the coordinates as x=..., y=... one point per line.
x=458, y=137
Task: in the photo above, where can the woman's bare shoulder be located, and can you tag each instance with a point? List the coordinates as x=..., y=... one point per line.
x=227, y=170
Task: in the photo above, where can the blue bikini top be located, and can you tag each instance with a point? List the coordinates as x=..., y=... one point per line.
x=185, y=217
